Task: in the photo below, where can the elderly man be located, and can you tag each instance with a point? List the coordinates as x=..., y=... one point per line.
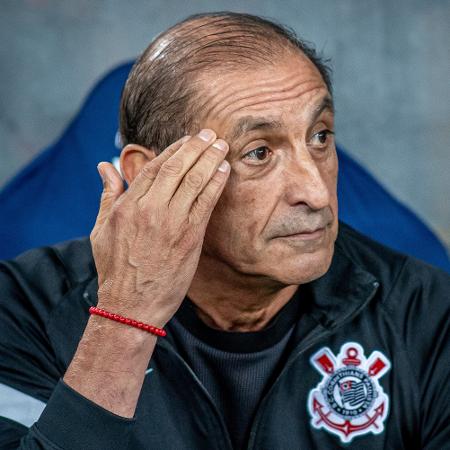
x=229, y=308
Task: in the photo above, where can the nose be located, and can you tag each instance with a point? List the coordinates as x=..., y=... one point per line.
x=304, y=181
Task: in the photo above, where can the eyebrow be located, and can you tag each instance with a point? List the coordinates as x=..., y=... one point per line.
x=325, y=105
x=252, y=123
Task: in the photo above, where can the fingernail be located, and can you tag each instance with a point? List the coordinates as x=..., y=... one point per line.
x=101, y=173
x=221, y=145
x=224, y=166
x=206, y=135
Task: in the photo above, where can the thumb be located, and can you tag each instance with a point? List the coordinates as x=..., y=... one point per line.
x=113, y=188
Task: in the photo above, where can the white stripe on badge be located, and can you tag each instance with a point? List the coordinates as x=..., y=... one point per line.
x=20, y=407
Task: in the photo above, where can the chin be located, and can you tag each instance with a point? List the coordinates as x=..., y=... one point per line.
x=303, y=268
x=294, y=261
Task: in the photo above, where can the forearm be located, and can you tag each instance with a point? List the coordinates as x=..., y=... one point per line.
x=110, y=363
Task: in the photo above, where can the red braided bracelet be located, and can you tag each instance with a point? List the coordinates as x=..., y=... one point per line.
x=125, y=320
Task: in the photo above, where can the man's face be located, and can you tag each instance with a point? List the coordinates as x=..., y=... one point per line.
x=282, y=185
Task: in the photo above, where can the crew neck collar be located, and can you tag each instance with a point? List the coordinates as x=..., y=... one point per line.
x=239, y=341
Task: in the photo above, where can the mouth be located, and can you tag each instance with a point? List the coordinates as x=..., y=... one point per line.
x=306, y=235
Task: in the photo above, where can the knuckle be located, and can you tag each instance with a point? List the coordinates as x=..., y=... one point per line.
x=154, y=218
x=211, y=156
x=193, y=180
x=107, y=194
x=172, y=167
x=196, y=145
x=214, y=186
x=205, y=202
x=216, y=182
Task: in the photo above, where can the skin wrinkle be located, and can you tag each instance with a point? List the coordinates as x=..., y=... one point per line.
x=244, y=102
x=222, y=84
x=273, y=99
x=268, y=88
x=270, y=98
x=253, y=123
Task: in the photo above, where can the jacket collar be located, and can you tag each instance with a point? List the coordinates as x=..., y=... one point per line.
x=342, y=291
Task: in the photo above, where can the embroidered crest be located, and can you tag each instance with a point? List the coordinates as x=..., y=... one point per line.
x=349, y=400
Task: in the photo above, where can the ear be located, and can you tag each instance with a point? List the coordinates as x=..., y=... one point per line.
x=132, y=159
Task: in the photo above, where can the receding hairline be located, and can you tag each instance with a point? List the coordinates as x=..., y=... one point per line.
x=209, y=26
x=160, y=99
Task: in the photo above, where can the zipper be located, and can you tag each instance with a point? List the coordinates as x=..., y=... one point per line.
x=219, y=417
x=257, y=419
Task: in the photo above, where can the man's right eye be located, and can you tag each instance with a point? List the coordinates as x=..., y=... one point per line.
x=258, y=154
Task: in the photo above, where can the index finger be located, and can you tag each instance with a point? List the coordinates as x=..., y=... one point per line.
x=144, y=180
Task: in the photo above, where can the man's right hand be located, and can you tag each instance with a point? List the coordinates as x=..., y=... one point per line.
x=147, y=240
x=146, y=244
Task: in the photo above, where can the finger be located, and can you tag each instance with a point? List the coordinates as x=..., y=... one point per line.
x=173, y=170
x=205, y=203
x=144, y=180
x=198, y=177
x=112, y=189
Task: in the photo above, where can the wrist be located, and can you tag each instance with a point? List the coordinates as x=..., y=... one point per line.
x=127, y=321
x=110, y=363
x=154, y=314
x=112, y=333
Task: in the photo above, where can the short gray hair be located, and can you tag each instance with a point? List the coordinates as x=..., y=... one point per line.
x=158, y=104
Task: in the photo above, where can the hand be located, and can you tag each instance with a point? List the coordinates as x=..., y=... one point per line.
x=147, y=240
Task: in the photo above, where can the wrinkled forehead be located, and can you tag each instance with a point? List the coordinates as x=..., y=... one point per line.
x=291, y=85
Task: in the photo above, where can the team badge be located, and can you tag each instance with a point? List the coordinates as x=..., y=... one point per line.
x=349, y=400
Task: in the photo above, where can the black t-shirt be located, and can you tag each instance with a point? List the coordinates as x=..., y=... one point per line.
x=236, y=368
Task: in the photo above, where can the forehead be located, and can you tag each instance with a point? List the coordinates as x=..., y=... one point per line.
x=290, y=87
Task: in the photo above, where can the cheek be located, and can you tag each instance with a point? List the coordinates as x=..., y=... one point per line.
x=329, y=173
x=332, y=182
x=329, y=169
x=237, y=220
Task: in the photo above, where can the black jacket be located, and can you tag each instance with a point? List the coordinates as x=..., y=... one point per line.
x=369, y=368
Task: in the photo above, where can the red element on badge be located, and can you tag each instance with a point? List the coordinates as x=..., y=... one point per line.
x=346, y=426
x=376, y=367
x=352, y=357
x=325, y=362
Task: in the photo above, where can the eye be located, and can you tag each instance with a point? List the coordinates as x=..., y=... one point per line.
x=320, y=139
x=258, y=154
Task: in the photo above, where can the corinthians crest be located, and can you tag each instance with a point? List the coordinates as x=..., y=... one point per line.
x=349, y=400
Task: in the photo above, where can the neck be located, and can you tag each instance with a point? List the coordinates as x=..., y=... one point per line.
x=231, y=301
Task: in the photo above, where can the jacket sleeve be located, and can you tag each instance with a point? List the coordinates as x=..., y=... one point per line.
x=37, y=409
x=425, y=323
x=67, y=421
